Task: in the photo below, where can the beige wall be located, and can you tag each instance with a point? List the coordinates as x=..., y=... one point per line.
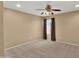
x=1, y=29
x=20, y=27
x=67, y=27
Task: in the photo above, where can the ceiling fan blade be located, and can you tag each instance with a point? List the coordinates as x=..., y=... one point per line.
x=56, y=10
x=40, y=9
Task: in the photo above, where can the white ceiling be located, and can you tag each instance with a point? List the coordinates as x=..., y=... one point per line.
x=31, y=6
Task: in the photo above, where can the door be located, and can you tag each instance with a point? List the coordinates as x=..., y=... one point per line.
x=53, y=38
x=45, y=29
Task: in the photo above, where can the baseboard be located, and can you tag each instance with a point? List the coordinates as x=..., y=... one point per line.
x=38, y=40
x=29, y=42
x=68, y=43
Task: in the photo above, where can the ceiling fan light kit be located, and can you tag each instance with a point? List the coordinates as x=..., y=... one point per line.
x=47, y=13
x=48, y=10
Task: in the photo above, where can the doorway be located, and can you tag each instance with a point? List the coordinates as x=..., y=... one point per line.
x=48, y=24
x=49, y=29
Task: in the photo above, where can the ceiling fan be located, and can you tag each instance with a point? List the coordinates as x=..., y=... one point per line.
x=49, y=9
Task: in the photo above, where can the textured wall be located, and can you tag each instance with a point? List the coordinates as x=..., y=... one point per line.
x=67, y=27
x=21, y=27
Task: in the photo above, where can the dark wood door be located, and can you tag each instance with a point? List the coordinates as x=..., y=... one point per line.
x=53, y=38
x=45, y=29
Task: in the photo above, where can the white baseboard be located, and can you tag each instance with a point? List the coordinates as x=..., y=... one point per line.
x=29, y=42
x=68, y=43
x=38, y=40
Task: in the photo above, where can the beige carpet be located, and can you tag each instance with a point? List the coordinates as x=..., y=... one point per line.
x=43, y=49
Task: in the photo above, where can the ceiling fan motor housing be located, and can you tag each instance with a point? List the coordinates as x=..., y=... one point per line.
x=48, y=8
